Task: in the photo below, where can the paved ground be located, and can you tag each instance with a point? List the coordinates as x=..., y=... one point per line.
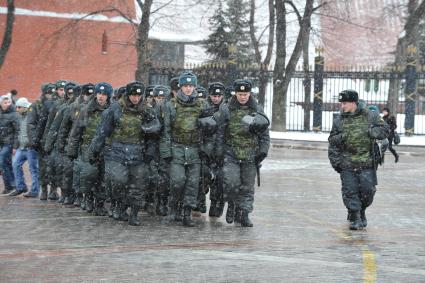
x=300, y=235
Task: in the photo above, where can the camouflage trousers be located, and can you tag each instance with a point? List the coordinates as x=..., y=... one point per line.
x=127, y=182
x=55, y=168
x=67, y=175
x=92, y=179
x=43, y=164
x=358, y=188
x=239, y=180
x=184, y=180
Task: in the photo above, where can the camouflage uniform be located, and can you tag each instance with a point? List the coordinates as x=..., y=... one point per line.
x=125, y=156
x=351, y=151
x=242, y=151
x=91, y=176
x=36, y=121
x=60, y=164
x=54, y=165
x=183, y=142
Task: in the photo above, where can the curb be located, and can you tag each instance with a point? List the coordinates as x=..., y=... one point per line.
x=408, y=150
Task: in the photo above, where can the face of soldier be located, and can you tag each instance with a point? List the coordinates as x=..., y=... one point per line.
x=159, y=99
x=5, y=104
x=385, y=113
x=242, y=97
x=101, y=98
x=216, y=99
x=348, y=107
x=86, y=98
x=60, y=92
x=135, y=99
x=188, y=89
x=48, y=96
x=149, y=99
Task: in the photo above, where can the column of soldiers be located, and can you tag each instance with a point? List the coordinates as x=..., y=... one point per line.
x=157, y=148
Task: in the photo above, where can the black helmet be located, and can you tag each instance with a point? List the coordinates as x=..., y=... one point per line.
x=69, y=89
x=151, y=125
x=48, y=88
x=77, y=90
x=255, y=123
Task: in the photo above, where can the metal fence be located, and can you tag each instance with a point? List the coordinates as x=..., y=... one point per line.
x=372, y=86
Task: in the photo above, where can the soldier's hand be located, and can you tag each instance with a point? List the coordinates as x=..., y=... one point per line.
x=260, y=157
x=167, y=159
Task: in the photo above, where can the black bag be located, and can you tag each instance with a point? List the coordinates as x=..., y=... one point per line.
x=396, y=138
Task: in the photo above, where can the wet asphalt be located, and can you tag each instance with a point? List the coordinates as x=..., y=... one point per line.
x=300, y=234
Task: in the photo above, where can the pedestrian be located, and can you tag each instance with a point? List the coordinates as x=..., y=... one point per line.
x=25, y=153
x=9, y=132
x=392, y=123
x=123, y=137
x=187, y=129
x=243, y=142
x=351, y=154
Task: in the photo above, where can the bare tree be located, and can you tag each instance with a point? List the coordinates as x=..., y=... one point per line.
x=415, y=13
x=7, y=37
x=143, y=64
x=283, y=72
x=263, y=78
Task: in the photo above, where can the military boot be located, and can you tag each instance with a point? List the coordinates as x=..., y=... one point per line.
x=356, y=223
x=78, y=199
x=220, y=208
x=53, y=194
x=83, y=204
x=230, y=214
x=134, y=219
x=201, y=207
x=123, y=212
x=161, y=208
x=99, y=208
x=116, y=210
x=245, y=221
x=213, y=209
x=350, y=216
x=238, y=215
x=396, y=158
x=69, y=199
x=187, y=217
x=112, y=207
x=43, y=194
x=363, y=217
x=89, y=202
x=179, y=212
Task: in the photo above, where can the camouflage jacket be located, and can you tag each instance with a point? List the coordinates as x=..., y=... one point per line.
x=84, y=128
x=182, y=139
x=120, y=133
x=232, y=139
x=352, y=138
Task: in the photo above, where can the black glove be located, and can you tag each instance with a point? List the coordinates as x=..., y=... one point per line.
x=167, y=159
x=337, y=169
x=260, y=157
x=204, y=156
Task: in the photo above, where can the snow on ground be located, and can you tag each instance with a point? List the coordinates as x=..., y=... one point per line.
x=323, y=137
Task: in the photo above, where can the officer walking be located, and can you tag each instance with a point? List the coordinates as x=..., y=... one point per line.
x=187, y=125
x=124, y=128
x=351, y=154
x=242, y=144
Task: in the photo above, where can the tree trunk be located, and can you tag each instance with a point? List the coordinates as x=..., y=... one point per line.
x=279, y=96
x=143, y=60
x=415, y=14
x=7, y=37
x=307, y=82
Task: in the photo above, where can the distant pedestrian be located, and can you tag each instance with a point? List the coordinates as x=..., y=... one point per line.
x=392, y=123
x=14, y=96
x=9, y=130
x=25, y=153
